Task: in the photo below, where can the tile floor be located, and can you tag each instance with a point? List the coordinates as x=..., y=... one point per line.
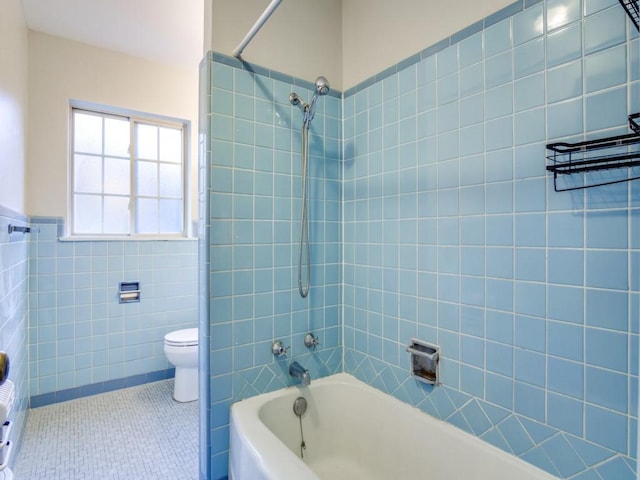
x=136, y=433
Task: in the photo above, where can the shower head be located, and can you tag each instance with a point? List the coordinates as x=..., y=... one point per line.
x=321, y=88
x=322, y=85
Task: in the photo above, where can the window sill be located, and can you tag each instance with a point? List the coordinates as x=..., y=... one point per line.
x=125, y=238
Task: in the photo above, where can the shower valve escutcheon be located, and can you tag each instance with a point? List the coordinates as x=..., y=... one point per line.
x=278, y=349
x=311, y=341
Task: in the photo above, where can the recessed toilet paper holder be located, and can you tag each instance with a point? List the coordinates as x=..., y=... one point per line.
x=425, y=361
x=129, y=292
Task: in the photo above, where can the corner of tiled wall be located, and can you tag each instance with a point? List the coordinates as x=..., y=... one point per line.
x=204, y=268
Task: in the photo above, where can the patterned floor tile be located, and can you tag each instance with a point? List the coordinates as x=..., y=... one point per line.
x=136, y=433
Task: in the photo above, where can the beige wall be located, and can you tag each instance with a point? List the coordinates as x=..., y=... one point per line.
x=302, y=38
x=13, y=104
x=377, y=34
x=60, y=70
x=348, y=41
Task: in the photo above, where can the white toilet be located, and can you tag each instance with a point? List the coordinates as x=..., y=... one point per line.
x=181, y=349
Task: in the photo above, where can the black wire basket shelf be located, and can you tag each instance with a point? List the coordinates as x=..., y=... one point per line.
x=633, y=10
x=622, y=151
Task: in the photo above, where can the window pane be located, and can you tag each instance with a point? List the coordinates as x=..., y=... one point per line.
x=170, y=180
x=116, y=137
x=170, y=216
x=87, y=133
x=146, y=141
x=147, y=215
x=146, y=178
x=116, y=176
x=171, y=145
x=87, y=174
x=105, y=183
x=87, y=214
x=116, y=215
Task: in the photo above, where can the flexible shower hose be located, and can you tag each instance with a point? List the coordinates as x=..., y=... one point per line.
x=304, y=221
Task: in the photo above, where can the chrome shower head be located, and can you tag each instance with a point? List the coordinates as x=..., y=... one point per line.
x=322, y=85
x=322, y=88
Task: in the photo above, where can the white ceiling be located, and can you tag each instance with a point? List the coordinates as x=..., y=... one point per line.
x=166, y=31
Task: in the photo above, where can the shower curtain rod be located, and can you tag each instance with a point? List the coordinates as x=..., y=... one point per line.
x=257, y=26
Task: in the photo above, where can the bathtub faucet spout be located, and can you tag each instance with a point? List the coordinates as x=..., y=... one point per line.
x=297, y=371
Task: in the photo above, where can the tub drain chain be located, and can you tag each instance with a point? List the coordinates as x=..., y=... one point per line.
x=303, y=445
x=299, y=407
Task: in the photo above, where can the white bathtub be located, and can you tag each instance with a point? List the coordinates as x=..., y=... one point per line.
x=353, y=431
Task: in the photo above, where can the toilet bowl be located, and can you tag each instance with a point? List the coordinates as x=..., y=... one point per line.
x=181, y=349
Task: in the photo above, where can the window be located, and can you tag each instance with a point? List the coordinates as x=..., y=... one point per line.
x=128, y=175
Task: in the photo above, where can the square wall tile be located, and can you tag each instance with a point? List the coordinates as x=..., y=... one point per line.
x=564, y=45
x=566, y=377
x=565, y=413
x=607, y=389
x=498, y=69
x=562, y=12
x=606, y=349
x=529, y=92
x=497, y=38
x=564, y=82
x=528, y=24
x=470, y=50
x=603, y=30
x=605, y=69
x=564, y=119
x=606, y=427
x=499, y=101
x=607, y=309
x=529, y=58
x=607, y=269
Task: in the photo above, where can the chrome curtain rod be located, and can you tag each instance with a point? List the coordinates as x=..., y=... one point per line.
x=257, y=26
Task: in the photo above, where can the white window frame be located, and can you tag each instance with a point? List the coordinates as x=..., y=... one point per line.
x=134, y=118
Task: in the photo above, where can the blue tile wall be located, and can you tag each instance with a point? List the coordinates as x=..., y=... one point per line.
x=81, y=340
x=14, y=316
x=252, y=176
x=453, y=232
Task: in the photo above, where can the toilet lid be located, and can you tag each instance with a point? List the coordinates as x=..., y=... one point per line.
x=183, y=338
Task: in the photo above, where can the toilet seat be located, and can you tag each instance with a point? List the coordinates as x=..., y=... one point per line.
x=182, y=338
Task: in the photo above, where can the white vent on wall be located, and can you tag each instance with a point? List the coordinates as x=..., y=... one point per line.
x=7, y=397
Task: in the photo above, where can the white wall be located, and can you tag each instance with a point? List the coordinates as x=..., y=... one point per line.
x=60, y=70
x=13, y=104
x=302, y=38
x=377, y=34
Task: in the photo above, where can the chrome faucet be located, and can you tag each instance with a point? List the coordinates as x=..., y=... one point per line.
x=297, y=371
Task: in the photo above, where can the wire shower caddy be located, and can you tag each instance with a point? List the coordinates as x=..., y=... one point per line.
x=622, y=151
x=633, y=10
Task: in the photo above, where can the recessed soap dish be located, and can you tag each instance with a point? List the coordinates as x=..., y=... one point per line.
x=425, y=361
